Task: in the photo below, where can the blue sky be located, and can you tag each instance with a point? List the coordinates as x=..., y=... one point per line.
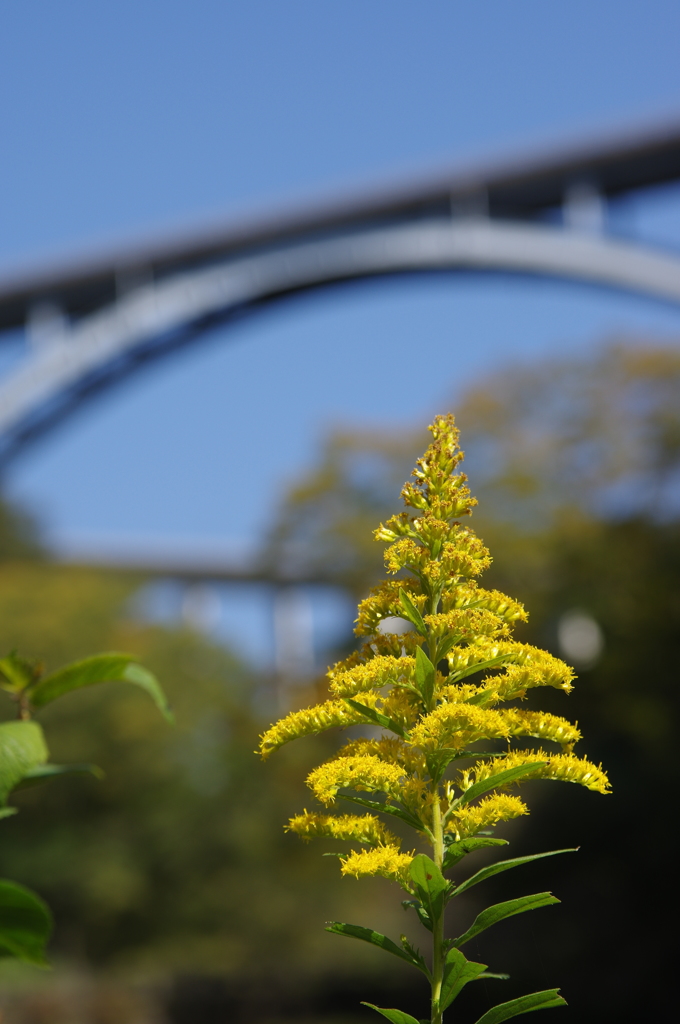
x=143, y=115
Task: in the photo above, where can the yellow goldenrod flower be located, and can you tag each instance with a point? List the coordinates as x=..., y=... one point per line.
x=362, y=772
x=467, y=624
x=459, y=693
x=541, y=725
x=311, y=720
x=383, y=602
x=360, y=828
x=566, y=767
x=456, y=726
x=430, y=720
x=488, y=812
x=471, y=596
x=387, y=748
x=385, y=861
x=372, y=675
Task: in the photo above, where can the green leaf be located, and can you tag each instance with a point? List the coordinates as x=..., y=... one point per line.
x=44, y=772
x=25, y=924
x=355, y=931
x=385, y=808
x=491, y=974
x=412, y=613
x=492, y=915
x=438, y=762
x=502, y=779
x=100, y=668
x=505, y=865
x=395, y=1016
x=424, y=675
x=480, y=666
x=457, y=851
x=458, y=971
x=374, y=716
x=8, y=812
x=17, y=673
x=525, y=1004
x=431, y=886
x=22, y=749
x=417, y=956
x=480, y=698
x=420, y=910
x=446, y=645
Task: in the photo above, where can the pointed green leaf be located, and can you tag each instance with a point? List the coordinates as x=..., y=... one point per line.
x=22, y=749
x=480, y=698
x=480, y=666
x=416, y=955
x=395, y=1016
x=505, y=865
x=25, y=924
x=456, y=851
x=385, y=808
x=44, y=772
x=438, y=762
x=355, y=931
x=492, y=915
x=412, y=613
x=420, y=910
x=457, y=972
x=100, y=668
x=430, y=884
x=445, y=646
x=17, y=673
x=525, y=1004
x=374, y=716
x=502, y=779
x=424, y=675
x=492, y=974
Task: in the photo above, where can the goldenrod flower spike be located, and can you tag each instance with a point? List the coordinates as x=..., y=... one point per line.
x=434, y=692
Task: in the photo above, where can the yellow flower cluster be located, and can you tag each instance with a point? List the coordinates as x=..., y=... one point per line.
x=469, y=595
x=430, y=717
x=373, y=675
x=383, y=602
x=565, y=767
x=361, y=771
x=488, y=812
x=390, y=749
x=456, y=726
x=466, y=624
x=360, y=828
x=385, y=861
x=311, y=720
x=466, y=556
x=541, y=725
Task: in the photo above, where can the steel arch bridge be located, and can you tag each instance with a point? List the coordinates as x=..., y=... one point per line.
x=90, y=323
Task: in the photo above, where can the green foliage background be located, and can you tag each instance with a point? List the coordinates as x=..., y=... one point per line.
x=176, y=863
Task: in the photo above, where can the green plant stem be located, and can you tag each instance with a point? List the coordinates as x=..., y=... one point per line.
x=438, y=922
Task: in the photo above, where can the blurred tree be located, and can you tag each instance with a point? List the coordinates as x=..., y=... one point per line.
x=19, y=535
x=593, y=436
x=176, y=862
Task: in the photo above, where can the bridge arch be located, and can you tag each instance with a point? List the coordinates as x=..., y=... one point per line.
x=147, y=322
